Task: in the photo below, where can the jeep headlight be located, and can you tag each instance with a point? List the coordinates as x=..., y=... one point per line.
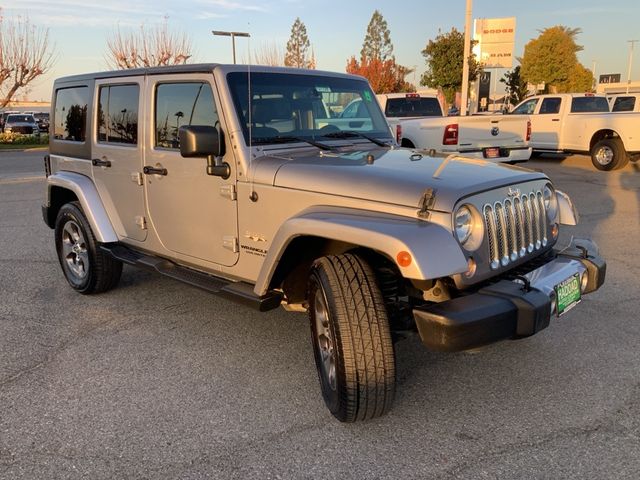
x=550, y=202
x=468, y=227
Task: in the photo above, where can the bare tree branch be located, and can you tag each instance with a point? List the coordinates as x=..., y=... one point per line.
x=269, y=54
x=148, y=48
x=25, y=54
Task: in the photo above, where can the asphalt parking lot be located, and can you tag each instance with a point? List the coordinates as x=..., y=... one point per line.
x=156, y=379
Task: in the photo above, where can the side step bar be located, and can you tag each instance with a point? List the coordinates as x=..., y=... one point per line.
x=240, y=292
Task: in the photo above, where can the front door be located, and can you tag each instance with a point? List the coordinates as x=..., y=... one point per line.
x=117, y=154
x=193, y=214
x=547, y=123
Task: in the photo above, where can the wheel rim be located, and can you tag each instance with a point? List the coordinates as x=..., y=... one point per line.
x=604, y=155
x=74, y=250
x=324, y=340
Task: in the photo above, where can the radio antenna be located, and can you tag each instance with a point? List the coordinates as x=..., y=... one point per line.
x=252, y=195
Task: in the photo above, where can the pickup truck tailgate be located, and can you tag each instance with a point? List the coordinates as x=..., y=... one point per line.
x=491, y=131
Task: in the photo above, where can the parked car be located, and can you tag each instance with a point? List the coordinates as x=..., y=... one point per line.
x=581, y=123
x=258, y=196
x=42, y=118
x=24, y=124
x=418, y=122
x=3, y=118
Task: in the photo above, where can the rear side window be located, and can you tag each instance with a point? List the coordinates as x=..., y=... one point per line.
x=550, y=105
x=589, y=105
x=413, y=107
x=624, y=104
x=118, y=114
x=70, y=116
x=179, y=104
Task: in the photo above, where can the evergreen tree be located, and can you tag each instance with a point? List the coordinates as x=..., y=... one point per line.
x=298, y=46
x=377, y=42
x=515, y=85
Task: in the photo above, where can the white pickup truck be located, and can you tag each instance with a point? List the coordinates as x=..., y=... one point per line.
x=417, y=122
x=582, y=123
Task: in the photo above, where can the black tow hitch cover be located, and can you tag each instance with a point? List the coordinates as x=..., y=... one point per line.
x=533, y=306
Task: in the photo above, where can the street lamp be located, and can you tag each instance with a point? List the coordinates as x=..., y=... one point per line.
x=233, y=36
x=631, y=44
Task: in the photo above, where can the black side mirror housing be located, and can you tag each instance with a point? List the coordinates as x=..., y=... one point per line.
x=205, y=141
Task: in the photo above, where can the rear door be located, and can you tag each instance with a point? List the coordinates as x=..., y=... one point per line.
x=117, y=154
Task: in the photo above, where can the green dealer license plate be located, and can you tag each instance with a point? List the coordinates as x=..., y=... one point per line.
x=567, y=294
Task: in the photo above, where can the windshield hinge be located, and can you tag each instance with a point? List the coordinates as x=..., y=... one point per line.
x=230, y=242
x=229, y=192
x=427, y=200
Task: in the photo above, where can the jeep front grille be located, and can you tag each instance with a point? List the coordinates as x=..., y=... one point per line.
x=515, y=227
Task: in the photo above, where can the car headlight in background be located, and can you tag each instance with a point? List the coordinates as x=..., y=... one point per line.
x=550, y=202
x=468, y=227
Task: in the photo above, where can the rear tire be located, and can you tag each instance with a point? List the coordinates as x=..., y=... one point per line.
x=86, y=268
x=609, y=154
x=351, y=338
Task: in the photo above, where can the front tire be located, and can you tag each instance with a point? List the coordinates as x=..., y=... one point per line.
x=609, y=154
x=351, y=338
x=85, y=267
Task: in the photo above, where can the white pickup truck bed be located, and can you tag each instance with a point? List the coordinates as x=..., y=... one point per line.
x=417, y=122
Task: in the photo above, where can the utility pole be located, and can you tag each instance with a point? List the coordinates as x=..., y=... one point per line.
x=465, y=60
x=233, y=36
x=631, y=44
x=593, y=74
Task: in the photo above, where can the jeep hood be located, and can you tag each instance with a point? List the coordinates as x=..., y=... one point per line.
x=394, y=176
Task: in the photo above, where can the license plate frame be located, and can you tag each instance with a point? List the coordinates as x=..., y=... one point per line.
x=492, y=152
x=568, y=294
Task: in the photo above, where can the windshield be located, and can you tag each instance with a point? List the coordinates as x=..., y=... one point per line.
x=290, y=107
x=20, y=119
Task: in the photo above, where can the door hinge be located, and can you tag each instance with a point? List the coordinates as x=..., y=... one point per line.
x=229, y=191
x=141, y=222
x=136, y=177
x=230, y=243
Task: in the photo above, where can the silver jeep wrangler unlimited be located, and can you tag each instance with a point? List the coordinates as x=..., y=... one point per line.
x=261, y=185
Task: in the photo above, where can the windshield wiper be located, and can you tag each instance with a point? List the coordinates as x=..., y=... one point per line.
x=291, y=139
x=353, y=134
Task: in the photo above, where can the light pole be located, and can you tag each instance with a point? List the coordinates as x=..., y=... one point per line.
x=233, y=36
x=465, y=60
x=631, y=44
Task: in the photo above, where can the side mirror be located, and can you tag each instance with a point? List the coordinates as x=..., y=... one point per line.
x=201, y=141
x=205, y=141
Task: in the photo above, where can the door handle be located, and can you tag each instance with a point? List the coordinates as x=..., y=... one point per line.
x=555, y=119
x=98, y=162
x=147, y=170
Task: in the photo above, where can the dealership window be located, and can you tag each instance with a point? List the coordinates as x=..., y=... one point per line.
x=118, y=114
x=70, y=115
x=179, y=104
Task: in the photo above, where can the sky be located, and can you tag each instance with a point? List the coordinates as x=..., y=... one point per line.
x=79, y=29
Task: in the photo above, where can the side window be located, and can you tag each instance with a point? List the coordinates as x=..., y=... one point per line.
x=527, y=108
x=624, y=104
x=179, y=104
x=550, y=105
x=70, y=116
x=118, y=114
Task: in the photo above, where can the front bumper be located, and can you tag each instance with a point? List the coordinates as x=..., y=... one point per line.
x=509, y=308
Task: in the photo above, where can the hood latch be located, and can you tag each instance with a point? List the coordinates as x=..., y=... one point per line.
x=427, y=200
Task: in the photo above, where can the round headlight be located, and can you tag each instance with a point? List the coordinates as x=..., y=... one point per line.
x=463, y=224
x=550, y=202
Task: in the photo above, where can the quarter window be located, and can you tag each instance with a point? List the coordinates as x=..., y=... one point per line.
x=118, y=114
x=179, y=104
x=624, y=104
x=70, y=116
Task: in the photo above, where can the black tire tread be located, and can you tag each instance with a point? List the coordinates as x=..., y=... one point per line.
x=363, y=337
x=105, y=270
